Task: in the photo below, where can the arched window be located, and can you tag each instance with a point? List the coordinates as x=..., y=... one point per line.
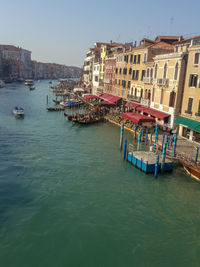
x=141, y=93
x=147, y=72
x=153, y=94
x=156, y=70
x=135, y=91
x=172, y=99
x=176, y=72
x=165, y=71
x=149, y=94
x=161, y=96
x=151, y=73
x=145, y=94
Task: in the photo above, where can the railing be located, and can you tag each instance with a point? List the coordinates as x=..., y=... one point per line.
x=147, y=80
x=145, y=102
x=162, y=81
x=134, y=98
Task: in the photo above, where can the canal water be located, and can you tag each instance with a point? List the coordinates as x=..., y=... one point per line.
x=68, y=199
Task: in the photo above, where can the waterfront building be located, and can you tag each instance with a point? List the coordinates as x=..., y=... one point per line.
x=109, y=76
x=95, y=78
x=87, y=69
x=189, y=121
x=168, y=85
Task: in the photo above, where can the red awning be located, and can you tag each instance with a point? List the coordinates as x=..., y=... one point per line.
x=137, y=117
x=88, y=97
x=155, y=113
x=132, y=105
x=110, y=98
x=108, y=104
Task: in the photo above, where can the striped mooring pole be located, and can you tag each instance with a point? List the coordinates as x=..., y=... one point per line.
x=139, y=140
x=135, y=130
x=151, y=135
x=125, y=148
x=147, y=132
x=121, y=135
x=163, y=156
x=156, y=166
x=163, y=141
x=174, y=145
x=197, y=153
x=156, y=137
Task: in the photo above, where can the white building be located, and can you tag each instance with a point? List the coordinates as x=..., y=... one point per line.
x=95, y=77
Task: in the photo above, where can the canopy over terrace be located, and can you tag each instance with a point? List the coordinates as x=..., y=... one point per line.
x=110, y=100
x=155, y=113
x=137, y=117
x=88, y=97
x=132, y=105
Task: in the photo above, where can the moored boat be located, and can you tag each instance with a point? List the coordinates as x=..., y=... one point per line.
x=28, y=82
x=2, y=84
x=18, y=111
x=192, y=168
x=31, y=88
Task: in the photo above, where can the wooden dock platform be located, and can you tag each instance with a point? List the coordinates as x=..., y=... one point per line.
x=145, y=161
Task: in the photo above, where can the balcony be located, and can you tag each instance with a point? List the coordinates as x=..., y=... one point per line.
x=163, y=82
x=147, y=80
x=145, y=102
x=134, y=98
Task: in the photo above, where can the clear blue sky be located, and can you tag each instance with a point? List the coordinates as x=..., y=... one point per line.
x=61, y=31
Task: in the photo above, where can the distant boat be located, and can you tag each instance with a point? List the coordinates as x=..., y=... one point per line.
x=18, y=111
x=2, y=84
x=31, y=88
x=28, y=82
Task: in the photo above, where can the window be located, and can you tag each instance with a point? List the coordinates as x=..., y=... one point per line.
x=141, y=93
x=125, y=71
x=116, y=71
x=120, y=71
x=193, y=80
x=176, y=72
x=156, y=70
x=172, y=99
x=196, y=58
x=165, y=71
x=135, y=91
x=147, y=72
x=130, y=71
x=145, y=58
x=134, y=60
x=129, y=84
x=133, y=75
x=198, y=111
x=161, y=97
x=96, y=78
x=189, y=108
x=119, y=82
x=153, y=94
x=131, y=59
x=137, y=75
x=143, y=74
x=151, y=73
x=138, y=59
x=115, y=81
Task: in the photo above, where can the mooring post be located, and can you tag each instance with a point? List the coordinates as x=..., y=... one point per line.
x=174, y=145
x=135, y=130
x=151, y=135
x=163, y=156
x=125, y=148
x=147, y=132
x=156, y=166
x=163, y=140
x=156, y=137
x=197, y=153
x=139, y=140
x=142, y=133
x=121, y=135
x=47, y=99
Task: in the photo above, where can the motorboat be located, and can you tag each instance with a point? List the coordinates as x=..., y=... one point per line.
x=2, y=84
x=28, y=82
x=18, y=111
x=31, y=88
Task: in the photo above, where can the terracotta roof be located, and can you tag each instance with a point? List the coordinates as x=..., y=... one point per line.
x=9, y=47
x=186, y=40
x=168, y=37
x=162, y=45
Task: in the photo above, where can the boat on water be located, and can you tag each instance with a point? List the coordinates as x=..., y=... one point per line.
x=55, y=109
x=28, y=82
x=31, y=88
x=192, y=169
x=2, y=84
x=18, y=111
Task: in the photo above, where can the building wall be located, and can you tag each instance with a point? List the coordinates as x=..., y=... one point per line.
x=95, y=78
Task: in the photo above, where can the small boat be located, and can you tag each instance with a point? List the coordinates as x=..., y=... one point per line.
x=31, y=88
x=2, y=84
x=18, y=111
x=55, y=109
x=192, y=168
x=56, y=101
x=28, y=82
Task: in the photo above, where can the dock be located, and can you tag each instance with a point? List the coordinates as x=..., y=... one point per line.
x=146, y=161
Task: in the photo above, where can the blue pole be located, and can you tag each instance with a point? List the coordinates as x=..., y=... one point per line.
x=151, y=135
x=121, y=135
x=125, y=147
x=197, y=153
x=163, y=140
x=156, y=166
x=139, y=140
x=147, y=132
x=163, y=156
x=142, y=133
x=174, y=145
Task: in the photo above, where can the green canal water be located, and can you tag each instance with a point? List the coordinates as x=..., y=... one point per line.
x=68, y=199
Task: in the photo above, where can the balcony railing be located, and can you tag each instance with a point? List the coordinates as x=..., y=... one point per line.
x=147, y=80
x=145, y=102
x=163, y=81
x=134, y=98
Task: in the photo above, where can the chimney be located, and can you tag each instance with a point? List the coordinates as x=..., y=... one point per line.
x=135, y=44
x=111, y=41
